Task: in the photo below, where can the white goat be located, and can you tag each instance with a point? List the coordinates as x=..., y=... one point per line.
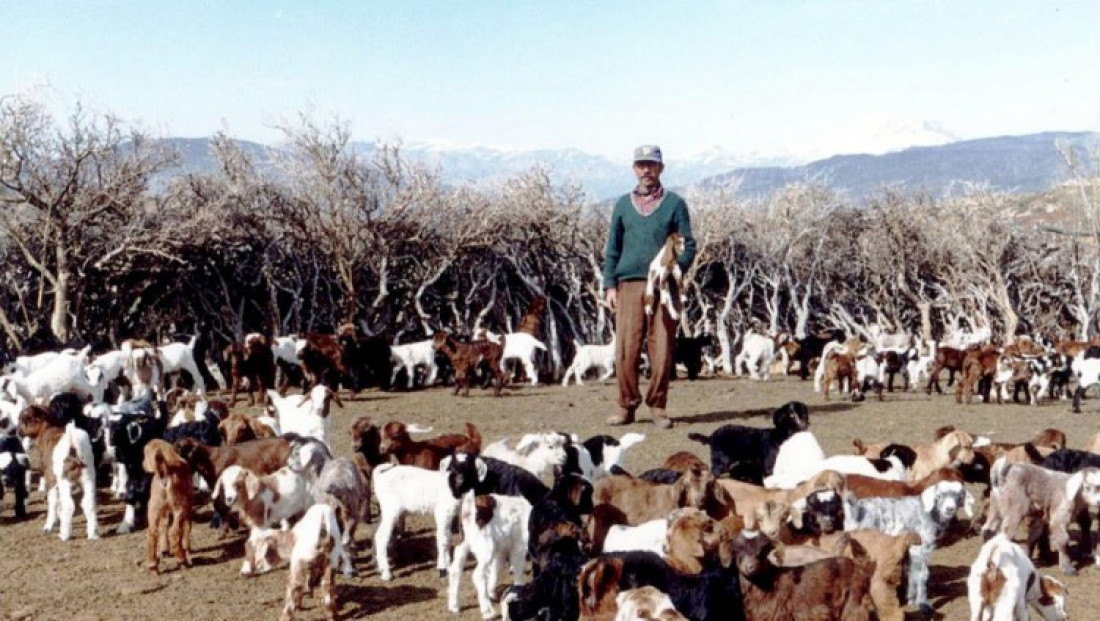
x=73, y=443
x=408, y=489
x=588, y=356
x=25, y=365
x=494, y=528
x=648, y=536
x=520, y=346
x=64, y=373
x=801, y=457
x=537, y=453
x=177, y=357
x=1019, y=585
x=757, y=354
x=411, y=355
x=305, y=415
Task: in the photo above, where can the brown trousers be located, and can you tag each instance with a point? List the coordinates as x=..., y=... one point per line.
x=632, y=328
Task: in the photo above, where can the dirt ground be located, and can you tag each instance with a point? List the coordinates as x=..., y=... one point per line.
x=44, y=578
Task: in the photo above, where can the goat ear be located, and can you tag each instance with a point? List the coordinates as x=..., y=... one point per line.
x=335, y=397
x=251, y=485
x=968, y=503
x=482, y=468
x=526, y=445
x=1073, y=485
x=217, y=490
x=445, y=463
x=928, y=499
x=795, y=513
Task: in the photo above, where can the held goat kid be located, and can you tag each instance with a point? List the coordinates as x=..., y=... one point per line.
x=664, y=285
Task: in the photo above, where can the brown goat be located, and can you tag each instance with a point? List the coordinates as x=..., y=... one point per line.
x=748, y=497
x=869, y=487
x=260, y=456
x=465, y=358
x=695, y=540
x=888, y=552
x=840, y=368
x=171, y=497
x=254, y=361
x=237, y=428
x=834, y=588
x=977, y=364
x=641, y=501
x=949, y=359
x=683, y=461
x=396, y=442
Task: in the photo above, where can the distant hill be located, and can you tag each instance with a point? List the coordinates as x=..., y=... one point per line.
x=1017, y=164
x=1028, y=163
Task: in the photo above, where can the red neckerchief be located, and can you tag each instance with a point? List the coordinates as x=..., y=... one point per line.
x=647, y=203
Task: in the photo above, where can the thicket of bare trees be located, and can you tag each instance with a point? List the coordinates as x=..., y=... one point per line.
x=98, y=244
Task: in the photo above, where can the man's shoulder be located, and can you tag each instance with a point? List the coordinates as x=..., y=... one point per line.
x=674, y=198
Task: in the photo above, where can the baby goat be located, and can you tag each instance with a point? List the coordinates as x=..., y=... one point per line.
x=170, y=500
x=665, y=274
x=313, y=548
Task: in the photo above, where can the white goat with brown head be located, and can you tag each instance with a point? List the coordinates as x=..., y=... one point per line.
x=666, y=276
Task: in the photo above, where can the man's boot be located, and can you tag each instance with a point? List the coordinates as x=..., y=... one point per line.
x=624, y=417
x=660, y=418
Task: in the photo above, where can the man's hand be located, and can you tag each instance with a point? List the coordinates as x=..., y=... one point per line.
x=613, y=298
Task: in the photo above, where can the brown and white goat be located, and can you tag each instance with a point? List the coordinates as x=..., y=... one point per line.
x=314, y=550
x=64, y=456
x=465, y=358
x=748, y=497
x=171, y=496
x=664, y=284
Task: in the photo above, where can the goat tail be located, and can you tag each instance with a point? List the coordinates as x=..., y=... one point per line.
x=339, y=512
x=998, y=472
x=698, y=437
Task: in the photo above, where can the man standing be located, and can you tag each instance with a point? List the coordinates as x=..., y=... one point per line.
x=640, y=223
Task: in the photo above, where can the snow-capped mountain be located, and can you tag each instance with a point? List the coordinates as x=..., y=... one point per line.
x=602, y=177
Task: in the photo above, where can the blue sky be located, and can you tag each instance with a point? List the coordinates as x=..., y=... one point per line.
x=768, y=76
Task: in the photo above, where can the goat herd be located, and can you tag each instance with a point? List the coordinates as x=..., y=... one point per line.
x=768, y=528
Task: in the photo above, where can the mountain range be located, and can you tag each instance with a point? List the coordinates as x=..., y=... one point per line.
x=1028, y=163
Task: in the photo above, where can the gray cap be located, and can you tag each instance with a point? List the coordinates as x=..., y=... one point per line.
x=648, y=153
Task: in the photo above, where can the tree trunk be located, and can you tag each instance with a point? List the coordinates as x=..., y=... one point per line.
x=59, y=319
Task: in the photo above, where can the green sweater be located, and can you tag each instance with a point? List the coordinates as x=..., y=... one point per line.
x=634, y=239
